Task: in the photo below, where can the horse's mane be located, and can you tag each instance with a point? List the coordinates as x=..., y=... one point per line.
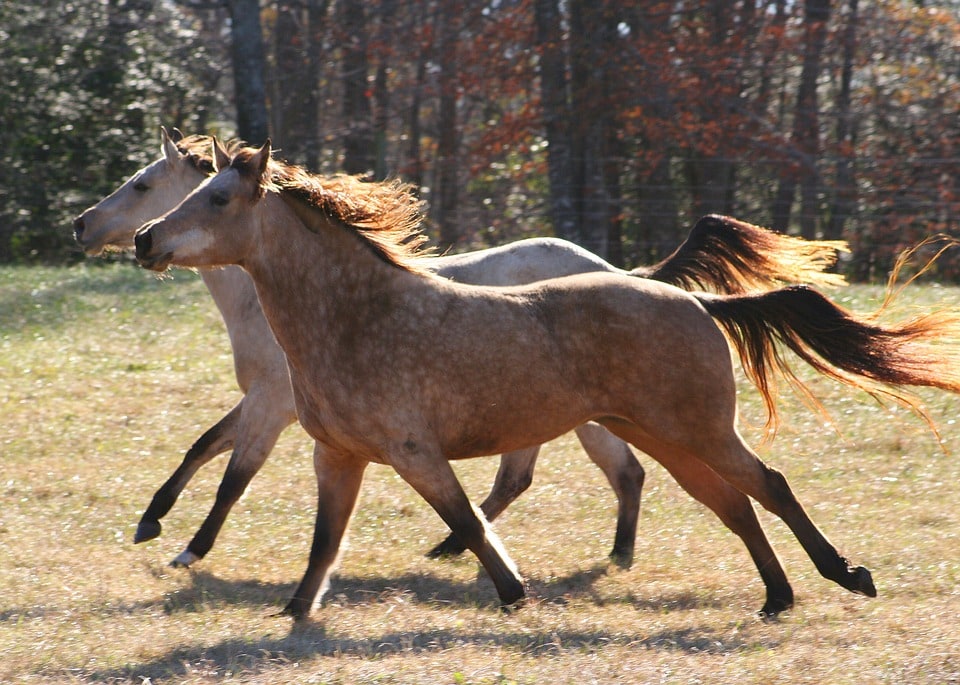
x=197, y=149
x=386, y=215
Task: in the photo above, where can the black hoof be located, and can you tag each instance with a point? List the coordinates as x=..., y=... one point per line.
x=513, y=598
x=147, y=530
x=514, y=606
x=775, y=607
x=451, y=547
x=863, y=582
x=296, y=609
x=622, y=558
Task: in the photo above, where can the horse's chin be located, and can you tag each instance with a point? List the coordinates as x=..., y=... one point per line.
x=157, y=263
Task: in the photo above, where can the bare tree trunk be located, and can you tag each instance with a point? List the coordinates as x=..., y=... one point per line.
x=593, y=34
x=447, y=186
x=381, y=93
x=358, y=141
x=805, y=136
x=316, y=20
x=658, y=207
x=713, y=174
x=285, y=93
x=556, y=118
x=248, y=69
x=845, y=193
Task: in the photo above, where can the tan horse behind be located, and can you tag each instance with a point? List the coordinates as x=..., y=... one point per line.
x=721, y=252
x=391, y=364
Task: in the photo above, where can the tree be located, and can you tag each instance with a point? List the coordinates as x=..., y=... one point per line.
x=357, y=115
x=844, y=197
x=85, y=85
x=250, y=96
x=805, y=138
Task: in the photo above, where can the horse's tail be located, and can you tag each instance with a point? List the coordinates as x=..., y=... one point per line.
x=862, y=353
x=731, y=256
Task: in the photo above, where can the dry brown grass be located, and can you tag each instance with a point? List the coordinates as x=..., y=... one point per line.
x=107, y=376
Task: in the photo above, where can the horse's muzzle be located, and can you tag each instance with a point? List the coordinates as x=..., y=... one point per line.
x=143, y=241
x=78, y=227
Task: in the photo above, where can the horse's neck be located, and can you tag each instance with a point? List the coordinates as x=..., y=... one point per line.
x=252, y=342
x=231, y=290
x=316, y=279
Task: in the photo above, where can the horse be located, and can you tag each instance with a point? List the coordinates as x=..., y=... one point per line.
x=393, y=364
x=721, y=252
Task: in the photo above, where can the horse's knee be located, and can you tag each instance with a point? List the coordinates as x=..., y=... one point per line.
x=778, y=491
x=515, y=484
x=631, y=477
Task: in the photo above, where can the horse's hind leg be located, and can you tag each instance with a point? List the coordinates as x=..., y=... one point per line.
x=726, y=453
x=749, y=474
x=513, y=479
x=626, y=477
x=260, y=425
x=730, y=505
x=216, y=440
x=339, y=477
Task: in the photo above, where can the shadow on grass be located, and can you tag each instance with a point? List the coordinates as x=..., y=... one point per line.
x=236, y=655
x=207, y=592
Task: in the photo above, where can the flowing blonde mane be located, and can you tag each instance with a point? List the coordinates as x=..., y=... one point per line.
x=385, y=215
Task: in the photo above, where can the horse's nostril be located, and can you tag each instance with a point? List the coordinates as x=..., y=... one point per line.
x=78, y=228
x=143, y=240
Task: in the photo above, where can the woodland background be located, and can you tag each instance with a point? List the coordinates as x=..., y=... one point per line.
x=614, y=124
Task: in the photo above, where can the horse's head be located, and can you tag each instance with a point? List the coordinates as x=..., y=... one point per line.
x=214, y=225
x=151, y=192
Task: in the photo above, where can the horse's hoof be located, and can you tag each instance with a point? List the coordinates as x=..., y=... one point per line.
x=774, y=607
x=296, y=609
x=862, y=582
x=516, y=605
x=147, y=530
x=513, y=599
x=450, y=547
x=184, y=559
x=622, y=558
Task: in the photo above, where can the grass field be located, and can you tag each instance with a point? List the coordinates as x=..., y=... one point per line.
x=107, y=375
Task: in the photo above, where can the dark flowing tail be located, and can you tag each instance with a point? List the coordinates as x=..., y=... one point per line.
x=864, y=354
x=731, y=256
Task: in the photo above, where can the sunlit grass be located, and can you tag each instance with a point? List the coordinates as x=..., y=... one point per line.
x=107, y=375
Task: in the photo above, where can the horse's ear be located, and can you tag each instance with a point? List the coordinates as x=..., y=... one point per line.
x=168, y=146
x=176, y=135
x=221, y=159
x=261, y=157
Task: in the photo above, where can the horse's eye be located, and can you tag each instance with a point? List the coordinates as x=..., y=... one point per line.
x=141, y=187
x=219, y=200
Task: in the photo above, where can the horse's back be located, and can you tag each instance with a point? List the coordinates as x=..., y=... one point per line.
x=520, y=262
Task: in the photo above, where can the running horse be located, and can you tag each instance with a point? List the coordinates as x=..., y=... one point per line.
x=390, y=363
x=721, y=252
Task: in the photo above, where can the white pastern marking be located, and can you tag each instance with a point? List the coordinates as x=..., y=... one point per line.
x=184, y=559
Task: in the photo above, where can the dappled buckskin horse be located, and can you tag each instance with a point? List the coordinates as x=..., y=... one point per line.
x=722, y=253
x=390, y=363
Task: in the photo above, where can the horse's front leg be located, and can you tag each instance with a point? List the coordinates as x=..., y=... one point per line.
x=514, y=477
x=217, y=439
x=431, y=476
x=262, y=421
x=339, y=477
